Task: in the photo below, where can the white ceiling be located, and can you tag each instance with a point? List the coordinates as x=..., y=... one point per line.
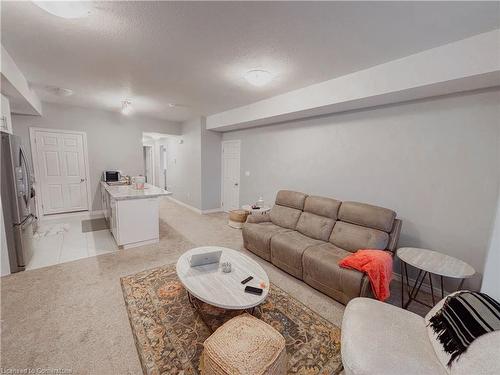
x=195, y=53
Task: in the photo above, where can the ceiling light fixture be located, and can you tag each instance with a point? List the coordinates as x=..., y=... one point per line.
x=177, y=105
x=59, y=91
x=127, y=107
x=66, y=9
x=258, y=77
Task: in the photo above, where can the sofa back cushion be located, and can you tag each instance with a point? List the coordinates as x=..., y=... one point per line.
x=318, y=218
x=285, y=217
x=353, y=237
x=322, y=206
x=292, y=199
x=367, y=215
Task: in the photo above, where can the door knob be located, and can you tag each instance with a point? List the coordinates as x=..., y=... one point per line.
x=82, y=180
x=236, y=184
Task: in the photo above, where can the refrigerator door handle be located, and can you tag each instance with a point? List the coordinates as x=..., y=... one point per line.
x=28, y=175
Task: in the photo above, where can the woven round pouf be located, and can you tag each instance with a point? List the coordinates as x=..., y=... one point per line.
x=244, y=345
x=237, y=218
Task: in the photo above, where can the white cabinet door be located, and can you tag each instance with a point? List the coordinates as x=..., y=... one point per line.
x=62, y=171
x=113, y=220
x=137, y=220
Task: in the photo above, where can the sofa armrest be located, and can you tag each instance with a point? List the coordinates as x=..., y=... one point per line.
x=394, y=235
x=259, y=218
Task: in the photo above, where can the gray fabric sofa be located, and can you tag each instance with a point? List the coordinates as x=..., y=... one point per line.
x=306, y=236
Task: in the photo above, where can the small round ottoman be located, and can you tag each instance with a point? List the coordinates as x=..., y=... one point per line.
x=244, y=345
x=237, y=218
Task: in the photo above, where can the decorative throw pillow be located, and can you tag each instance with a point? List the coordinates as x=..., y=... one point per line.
x=464, y=317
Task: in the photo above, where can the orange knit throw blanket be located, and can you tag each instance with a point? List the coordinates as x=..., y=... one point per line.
x=377, y=264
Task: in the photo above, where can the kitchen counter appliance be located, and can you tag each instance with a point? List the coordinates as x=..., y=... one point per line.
x=112, y=176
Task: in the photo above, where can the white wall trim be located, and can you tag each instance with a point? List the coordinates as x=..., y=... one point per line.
x=425, y=287
x=194, y=209
x=212, y=211
x=34, y=159
x=84, y=215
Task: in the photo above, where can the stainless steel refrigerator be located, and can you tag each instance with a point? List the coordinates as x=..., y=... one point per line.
x=18, y=201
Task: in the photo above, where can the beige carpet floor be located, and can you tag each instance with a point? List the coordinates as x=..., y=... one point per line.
x=72, y=315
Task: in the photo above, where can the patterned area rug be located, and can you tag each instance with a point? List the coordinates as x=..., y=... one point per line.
x=169, y=333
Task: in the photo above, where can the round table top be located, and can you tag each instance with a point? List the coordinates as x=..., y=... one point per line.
x=262, y=209
x=209, y=284
x=435, y=262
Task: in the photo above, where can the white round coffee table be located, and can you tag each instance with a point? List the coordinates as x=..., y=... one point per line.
x=430, y=262
x=209, y=284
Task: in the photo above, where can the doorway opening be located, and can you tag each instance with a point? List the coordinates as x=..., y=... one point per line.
x=157, y=163
x=147, y=151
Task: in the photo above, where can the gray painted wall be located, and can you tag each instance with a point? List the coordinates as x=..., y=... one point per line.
x=435, y=162
x=211, y=165
x=184, y=162
x=194, y=174
x=114, y=140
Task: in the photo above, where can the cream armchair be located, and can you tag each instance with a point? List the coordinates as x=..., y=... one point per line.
x=381, y=339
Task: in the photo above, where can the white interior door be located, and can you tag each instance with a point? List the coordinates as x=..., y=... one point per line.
x=230, y=175
x=62, y=177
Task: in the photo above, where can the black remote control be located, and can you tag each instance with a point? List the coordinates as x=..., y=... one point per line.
x=247, y=279
x=252, y=290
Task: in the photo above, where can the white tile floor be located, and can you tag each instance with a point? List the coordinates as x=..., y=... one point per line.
x=69, y=245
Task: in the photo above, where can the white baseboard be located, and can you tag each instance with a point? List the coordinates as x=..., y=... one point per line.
x=425, y=286
x=212, y=210
x=80, y=214
x=194, y=209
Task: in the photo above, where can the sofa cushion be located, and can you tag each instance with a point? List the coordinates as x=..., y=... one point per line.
x=287, y=249
x=292, y=199
x=285, y=217
x=315, y=226
x=321, y=271
x=322, y=206
x=378, y=338
x=318, y=217
x=367, y=215
x=257, y=238
x=354, y=237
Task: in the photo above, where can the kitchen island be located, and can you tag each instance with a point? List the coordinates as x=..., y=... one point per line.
x=133, y=215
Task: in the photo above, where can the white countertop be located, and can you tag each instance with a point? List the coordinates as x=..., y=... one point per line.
x=123, y=192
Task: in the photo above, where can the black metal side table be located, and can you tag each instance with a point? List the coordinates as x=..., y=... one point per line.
x=429, y=262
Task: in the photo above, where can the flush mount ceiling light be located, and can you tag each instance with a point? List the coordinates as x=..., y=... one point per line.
x=258, y=77
x=66, y=9
x=177, y=105
x=127, y=107
x=59, y=91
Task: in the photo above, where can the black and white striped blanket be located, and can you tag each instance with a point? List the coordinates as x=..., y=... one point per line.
x=464, y=317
